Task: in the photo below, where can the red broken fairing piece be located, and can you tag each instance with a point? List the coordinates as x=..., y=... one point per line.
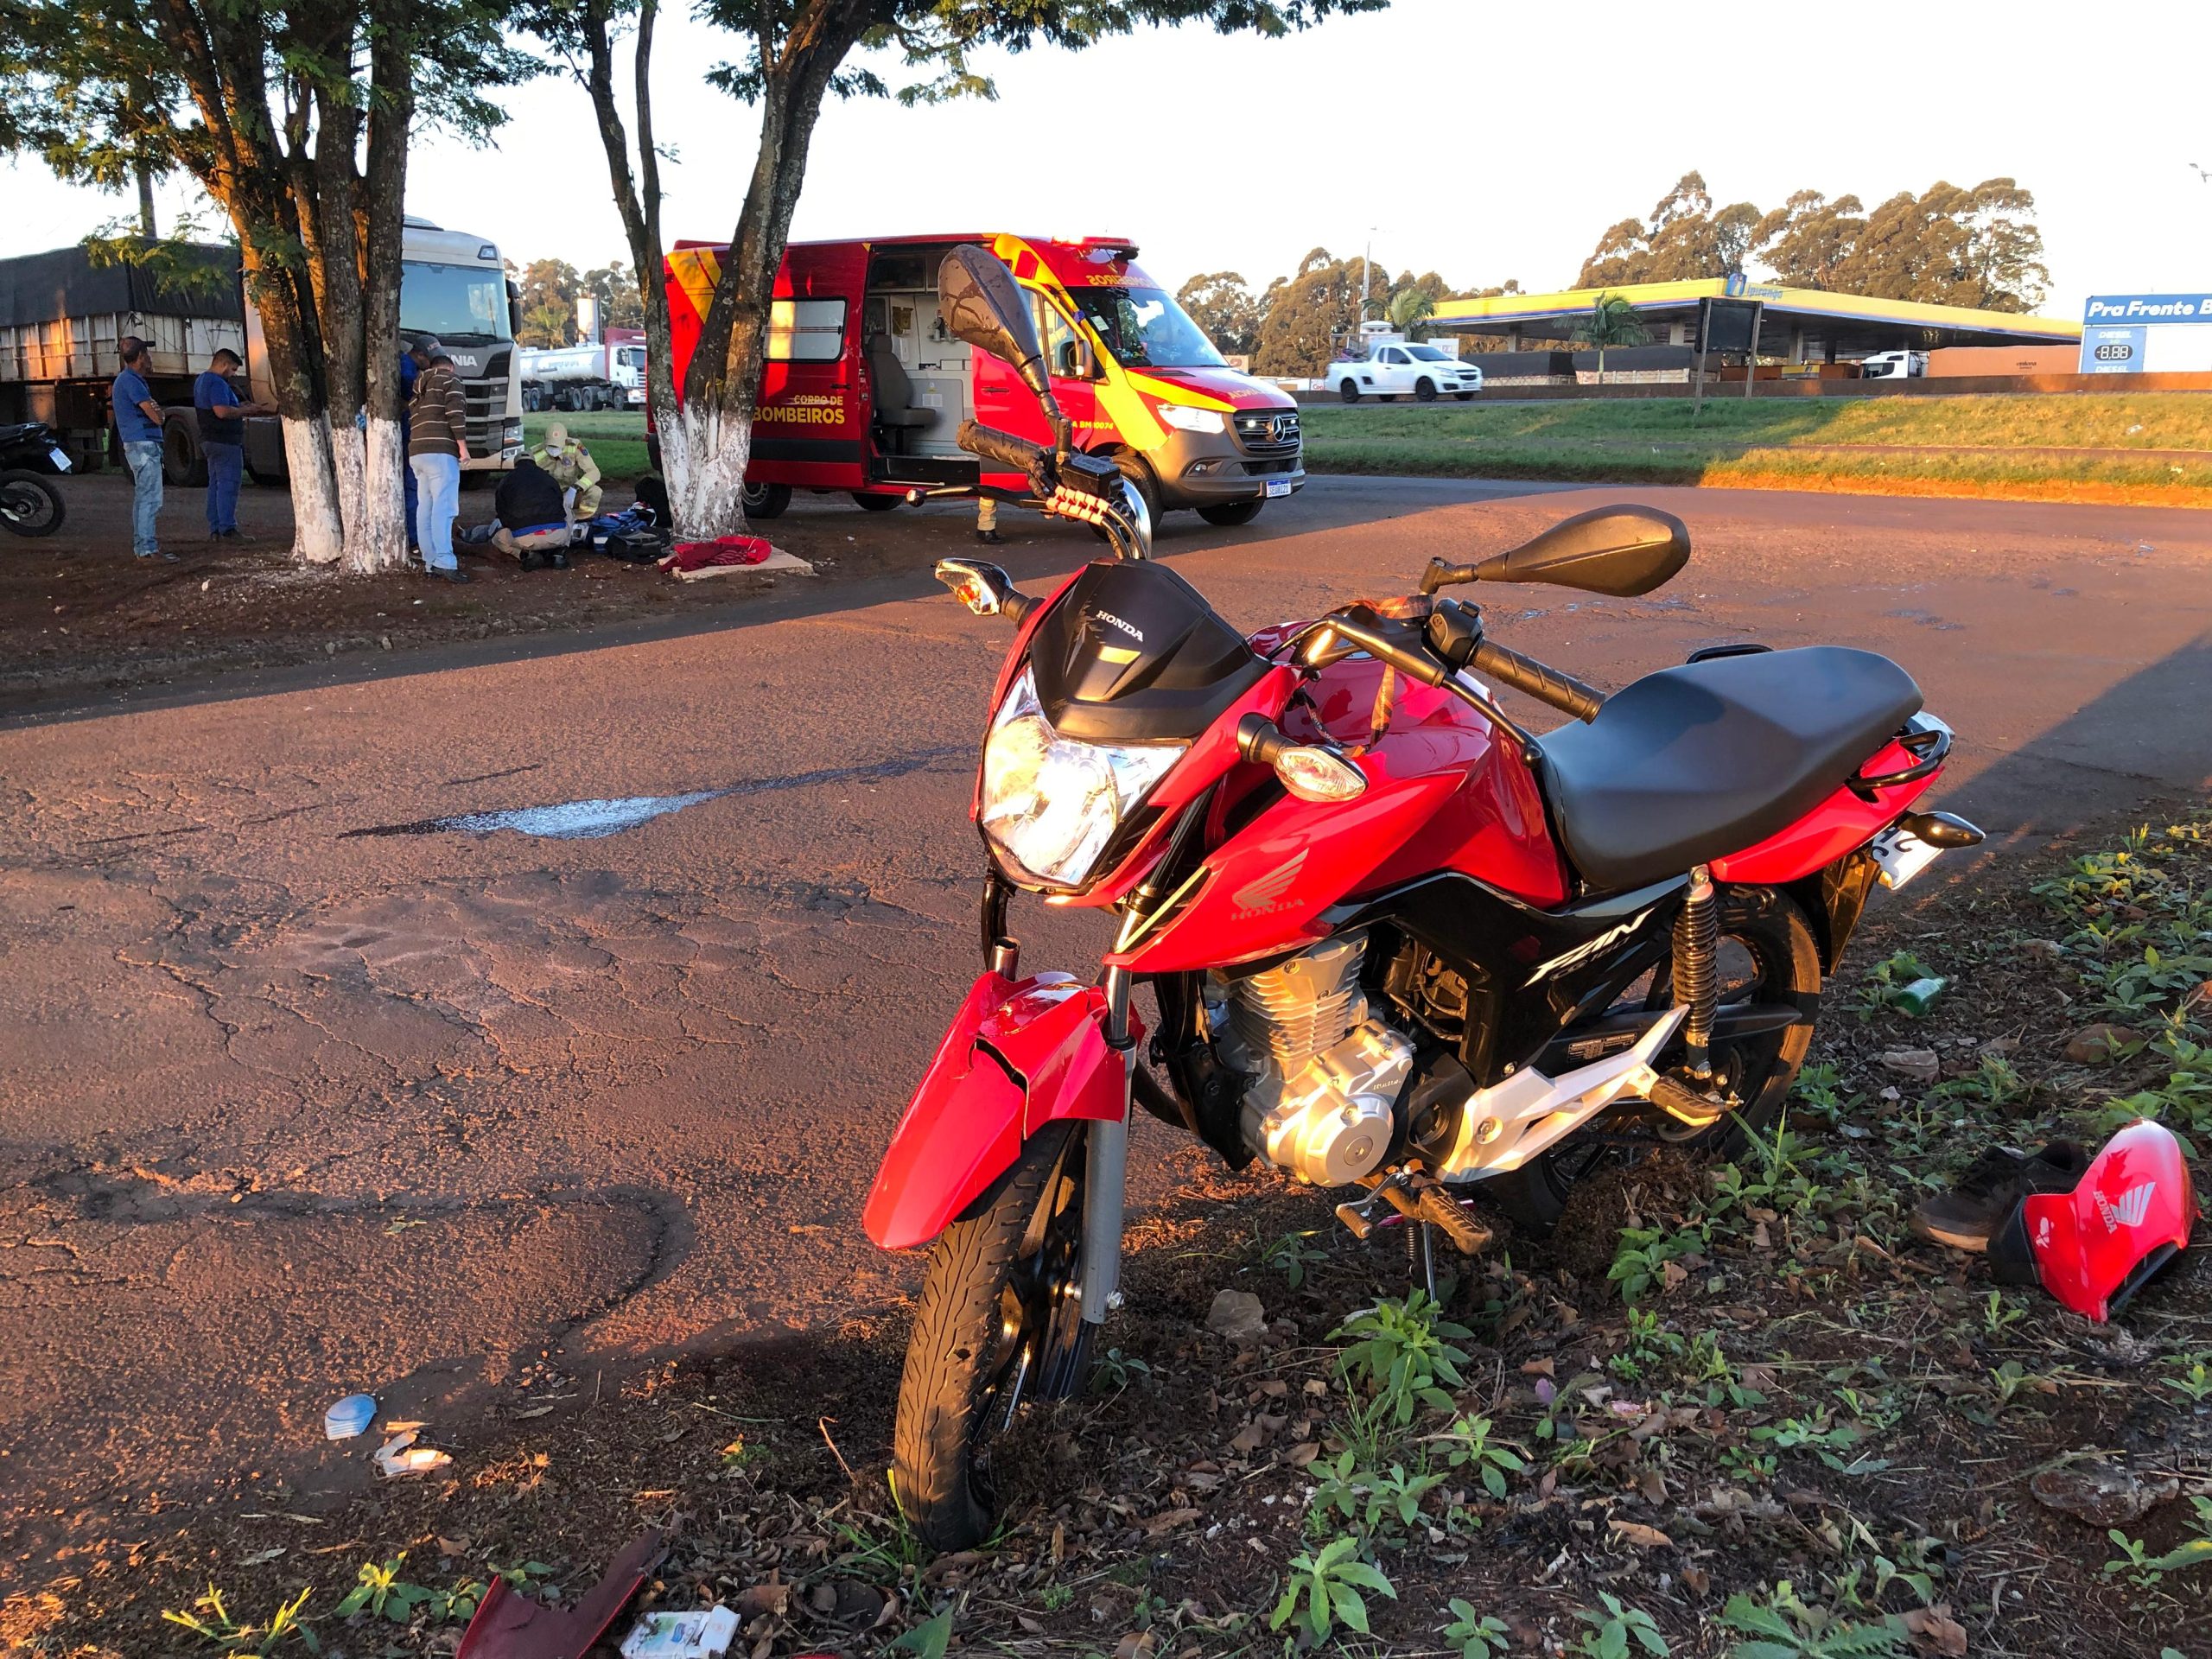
x=509, y=1626
x=2129, y=1214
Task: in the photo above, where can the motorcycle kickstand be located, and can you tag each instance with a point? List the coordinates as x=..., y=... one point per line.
x=1420, y=1255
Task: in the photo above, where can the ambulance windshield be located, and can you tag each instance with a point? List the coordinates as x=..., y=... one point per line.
x=1146, y=329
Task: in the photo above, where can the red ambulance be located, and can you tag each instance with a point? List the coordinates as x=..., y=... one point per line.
x=864, y=388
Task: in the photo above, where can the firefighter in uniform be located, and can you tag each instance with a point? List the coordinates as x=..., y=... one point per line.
x=568, y=464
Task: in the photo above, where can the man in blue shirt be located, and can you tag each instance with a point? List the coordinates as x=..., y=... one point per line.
x=222, y=440
x=138, y=423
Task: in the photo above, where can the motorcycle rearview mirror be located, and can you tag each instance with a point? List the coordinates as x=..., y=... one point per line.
x=1617, y=551
x=983, y=588
x=981, y=304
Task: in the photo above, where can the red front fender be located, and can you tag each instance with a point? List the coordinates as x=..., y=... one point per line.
x=1020, y=1054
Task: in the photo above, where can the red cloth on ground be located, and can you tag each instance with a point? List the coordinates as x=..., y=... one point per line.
x=723, y=549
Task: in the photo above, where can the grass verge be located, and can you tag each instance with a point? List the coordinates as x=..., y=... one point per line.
x=2144, y=447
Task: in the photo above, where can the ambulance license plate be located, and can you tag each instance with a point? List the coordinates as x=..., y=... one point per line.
x=1277, y=486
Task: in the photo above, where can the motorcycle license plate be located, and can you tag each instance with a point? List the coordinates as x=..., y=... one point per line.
x=1900, y=856
x=60, y=462
x=1277, y=486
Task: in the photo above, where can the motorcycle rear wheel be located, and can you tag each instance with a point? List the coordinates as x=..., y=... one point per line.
x=997, y=1323
x=1764, y=926
x=29, y=506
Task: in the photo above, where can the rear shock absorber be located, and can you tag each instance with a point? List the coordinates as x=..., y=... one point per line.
x=1697, y=969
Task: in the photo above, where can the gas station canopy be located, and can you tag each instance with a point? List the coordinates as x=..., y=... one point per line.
x=1805, y=324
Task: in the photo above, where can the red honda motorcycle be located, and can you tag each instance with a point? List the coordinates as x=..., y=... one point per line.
x=1396, y=943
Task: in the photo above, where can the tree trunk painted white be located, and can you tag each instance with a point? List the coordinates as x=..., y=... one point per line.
x=705, y=449
x=377, y=541
x=347, y=465
x=319, y=529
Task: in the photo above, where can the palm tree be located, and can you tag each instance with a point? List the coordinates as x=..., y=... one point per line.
x=1612, y=321
x=1408, y=307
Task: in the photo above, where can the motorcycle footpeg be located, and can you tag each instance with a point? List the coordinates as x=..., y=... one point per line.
x=1454, y=1220
x=1685, y=1105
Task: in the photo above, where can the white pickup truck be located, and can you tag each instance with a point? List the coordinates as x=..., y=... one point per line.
x=1402, y=368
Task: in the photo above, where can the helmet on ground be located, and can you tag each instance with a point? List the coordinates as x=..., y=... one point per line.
x=2094, y=1247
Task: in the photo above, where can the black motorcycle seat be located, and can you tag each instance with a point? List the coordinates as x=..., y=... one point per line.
x=1690, y=763
x=9, y=434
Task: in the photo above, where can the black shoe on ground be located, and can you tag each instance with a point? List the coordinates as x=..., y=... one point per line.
x=455, y=574
x=1990, y=1188
x=157, y=557
x=989, y=537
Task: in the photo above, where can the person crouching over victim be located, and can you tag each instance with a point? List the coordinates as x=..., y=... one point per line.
x=568, y=464
x=533, y=527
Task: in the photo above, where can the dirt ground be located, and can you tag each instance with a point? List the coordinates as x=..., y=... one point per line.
x=79, y=616
x=1718, y=1403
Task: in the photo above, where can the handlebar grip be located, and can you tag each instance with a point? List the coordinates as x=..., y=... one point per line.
x=1524, y=674
x=1014, y=454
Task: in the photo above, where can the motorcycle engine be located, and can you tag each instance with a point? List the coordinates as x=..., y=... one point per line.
x=1326, y=1074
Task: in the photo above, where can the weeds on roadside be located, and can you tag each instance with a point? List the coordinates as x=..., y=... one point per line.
x=1885, y=983
x=1467, y=1446
x=210, y=1620
x=1328, y=1583
x=1290, y=1255
x=2144, y=1570
x=1612, y=1629
x=1402, y=1354
x=1476, y=1636
x=1787, y=1629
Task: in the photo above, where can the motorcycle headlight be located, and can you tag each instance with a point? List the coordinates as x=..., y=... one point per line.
x=1051, y=803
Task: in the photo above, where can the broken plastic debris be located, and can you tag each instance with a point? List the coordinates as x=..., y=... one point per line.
x=350, y=1416
x=400, y=1456
x=682, y=1635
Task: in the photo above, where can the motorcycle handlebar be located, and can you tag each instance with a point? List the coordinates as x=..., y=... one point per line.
x=1014, y=454
x=1547, y=685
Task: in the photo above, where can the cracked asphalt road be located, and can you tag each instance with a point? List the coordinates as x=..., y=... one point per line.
x=286, y=1109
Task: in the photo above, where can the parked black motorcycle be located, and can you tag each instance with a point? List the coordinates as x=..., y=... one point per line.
x=29, y=454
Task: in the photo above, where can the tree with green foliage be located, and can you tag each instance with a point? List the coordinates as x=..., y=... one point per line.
x=1951, y=247
x=547, y=304
x=1687, y=237
x=1612, y=321
x=614, y=286
x=794, y=54
x=1308, y=317
x=1409, y=308
x=1221, y=304
x=294, y=118
x=549, y=288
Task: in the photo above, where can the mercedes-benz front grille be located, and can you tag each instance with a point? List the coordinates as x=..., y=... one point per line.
x=1267, y=431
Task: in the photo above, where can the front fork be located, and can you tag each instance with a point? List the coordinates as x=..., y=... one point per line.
x=1106, y=1144
x=1105, y=1171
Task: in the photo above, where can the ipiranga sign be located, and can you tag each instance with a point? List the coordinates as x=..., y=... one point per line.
x=2146, y=333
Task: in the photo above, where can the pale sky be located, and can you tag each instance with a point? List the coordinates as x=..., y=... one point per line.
x=1491, y=157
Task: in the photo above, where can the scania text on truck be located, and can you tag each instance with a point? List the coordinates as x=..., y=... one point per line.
x=60, y=316
x=864, y=387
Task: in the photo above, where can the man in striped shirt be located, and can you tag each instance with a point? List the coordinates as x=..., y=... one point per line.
x=438, y=442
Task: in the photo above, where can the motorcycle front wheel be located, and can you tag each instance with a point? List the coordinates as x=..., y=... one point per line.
x=29, y=506
x=998, y=1323
x=1767, y=953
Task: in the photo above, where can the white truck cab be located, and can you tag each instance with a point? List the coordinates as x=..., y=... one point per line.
x=1385, y=364
x=1894, y=365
